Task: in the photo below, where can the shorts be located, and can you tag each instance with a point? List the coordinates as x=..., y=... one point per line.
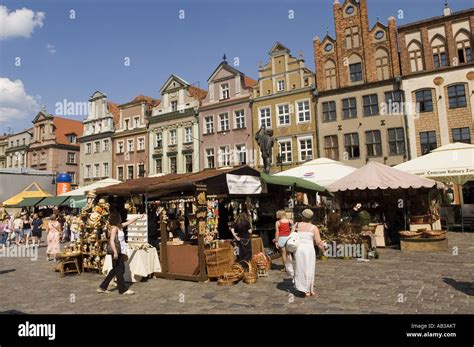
x=282, y=241
x=27, y=232
x=37, y=233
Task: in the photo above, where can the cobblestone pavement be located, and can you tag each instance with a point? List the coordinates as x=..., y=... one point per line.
x=396, y=283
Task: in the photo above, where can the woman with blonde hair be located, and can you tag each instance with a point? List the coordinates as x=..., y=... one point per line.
x=282, y=231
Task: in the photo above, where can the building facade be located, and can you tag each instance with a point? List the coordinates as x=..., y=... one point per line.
x=3, y=147
x=16, y=150
x=54, y=146
x=438, y=80
x=130, y=141
x=96, y=140
x=283, y=101
x=359, y=97
x=225, y=120
x=174, y=130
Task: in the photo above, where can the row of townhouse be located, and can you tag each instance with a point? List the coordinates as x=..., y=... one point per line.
x=383, y=93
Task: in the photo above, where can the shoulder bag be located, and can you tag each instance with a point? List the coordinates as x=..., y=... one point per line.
x=293, y=241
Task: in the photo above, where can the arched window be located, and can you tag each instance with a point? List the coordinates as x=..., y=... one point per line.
x=415, y=56
x=330, y=74
x=355, y=69
x=464, y=47
x=381, y=63
x=438, y=46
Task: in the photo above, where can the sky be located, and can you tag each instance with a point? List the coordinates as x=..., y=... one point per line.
x=56, y=50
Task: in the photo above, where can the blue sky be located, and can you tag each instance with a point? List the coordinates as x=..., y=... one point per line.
x=87, y=53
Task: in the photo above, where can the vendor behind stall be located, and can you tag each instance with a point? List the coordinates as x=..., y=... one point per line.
x=153, y=225
x=242, y=232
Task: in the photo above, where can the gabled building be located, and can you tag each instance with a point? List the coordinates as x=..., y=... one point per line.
x=225, y=120
x=130, y=141
x=438, y=79
x=54, y=146
x=283, y=101
x=96, y=140
x=16, y=150
x=359, y=97
x=173, y=128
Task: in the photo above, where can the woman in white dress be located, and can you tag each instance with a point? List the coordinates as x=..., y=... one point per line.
x=305, y=255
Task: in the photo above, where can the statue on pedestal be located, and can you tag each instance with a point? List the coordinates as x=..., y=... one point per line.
x=264, y=138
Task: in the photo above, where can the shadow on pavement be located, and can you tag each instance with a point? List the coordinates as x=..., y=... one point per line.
x=465, y=287
x=288, y=286
x=11, y=312
x=2, y=272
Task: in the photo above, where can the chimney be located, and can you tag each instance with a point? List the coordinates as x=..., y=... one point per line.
x=447, y=10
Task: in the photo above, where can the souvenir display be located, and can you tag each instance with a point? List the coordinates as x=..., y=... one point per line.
x=138, y=231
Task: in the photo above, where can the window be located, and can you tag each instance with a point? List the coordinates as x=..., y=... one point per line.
x=173, y=165
x=71, y=158
x=141, y=170
x=120, y=147
x=224, y=156
x=457, y=96
x=329, y=111
x=106, y=145
x=24, y=140
x=464, y=48
x=355, y=72
x=396, y=141
x=96, y=170
x=371, y=105
x=439, y=52
x=373, y=142
x=72, y=138
x=35, y=159
x=351, y=145
x=265, y=117
x=88, y=148
x=330, y=74
x=209, y=125
x=427, y=141
x=394, y=103
x=283, y=114
x=158, y=165
x=174, y=106
x=285, y=151
x=240, y=119
x=304, y=114
x=241, y=154
x=424, y=100
x=381, y=64
x=224, y=122
x=127, y=124
x=136, y=122
x=88, y=171
x=415, y=56
x=225, y=93
x=141, y=143
x=352, y=37
x=188, y=162
x=281, y=85
x=130, y=145
x=120, y=173
x=159, y=140
x=349, y=108
x=462, y=135
x=96, y=146
x=130, y=172
x=210, y=158
x=73, y=177
x=306, y=148
x=105, y=169
x=188, y=134
x=331, y=147
x=173, y=137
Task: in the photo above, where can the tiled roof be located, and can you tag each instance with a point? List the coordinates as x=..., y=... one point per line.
x=249, y=83
x=113, y=108
x=65, y=126
x=197, y=93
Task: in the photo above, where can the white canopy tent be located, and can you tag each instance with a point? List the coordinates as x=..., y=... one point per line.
x=322, y=171
x=96, y=185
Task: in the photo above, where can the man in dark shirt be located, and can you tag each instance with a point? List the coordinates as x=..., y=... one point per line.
x=152, y=226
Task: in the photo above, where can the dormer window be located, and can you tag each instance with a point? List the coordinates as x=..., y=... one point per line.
x=72, y=138
x=281, y=85
x=174, y=106
x=225, y=93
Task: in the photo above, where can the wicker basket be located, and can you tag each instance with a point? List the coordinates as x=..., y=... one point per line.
x=435, y=234
x=218, y=261
x=231, y=276
x=405, y=234
x=251, y=275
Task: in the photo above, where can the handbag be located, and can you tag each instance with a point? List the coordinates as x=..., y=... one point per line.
x=293, y=240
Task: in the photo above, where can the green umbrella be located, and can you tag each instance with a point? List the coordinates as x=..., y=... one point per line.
x=295, y=182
